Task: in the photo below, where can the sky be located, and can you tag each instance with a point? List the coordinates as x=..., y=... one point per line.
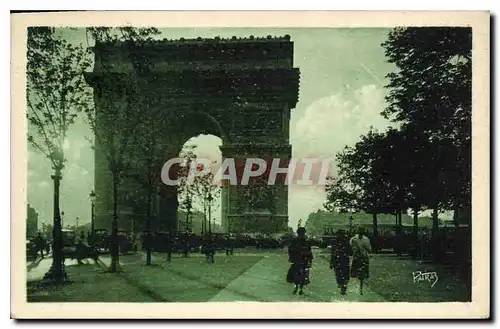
x=341, y=95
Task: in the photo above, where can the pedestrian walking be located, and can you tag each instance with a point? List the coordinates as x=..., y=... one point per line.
x=80, y=251
x=210, y=250
x=360, y=267
x=339, y=260
x=170, y=248
x=300, y=256
x=40, y=243
x=47, y=247
x=89, y=239
x=185, y=245
x=229, y=246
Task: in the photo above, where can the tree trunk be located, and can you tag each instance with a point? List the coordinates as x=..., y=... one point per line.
x=56, y=272
x=209, y=219
x=415, y=231
x=435, y=220
x=398, y=243
x=148, y=228
x=203, y=225
x=455, y=217
x=415, y=221
x=114, y=228
x=400, y=221
x=375, y=232
x=204, y=221
x=435, y=239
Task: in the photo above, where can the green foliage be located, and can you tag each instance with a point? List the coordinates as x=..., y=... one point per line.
x=361, y=185
x=201, y=188
x=434, y=75
x=56, y=91
x=121, y=122
x=185, y=189
x=426, y=162
x=431, y=95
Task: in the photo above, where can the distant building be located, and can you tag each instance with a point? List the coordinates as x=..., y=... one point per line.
x=321, y=222
x=31, y=222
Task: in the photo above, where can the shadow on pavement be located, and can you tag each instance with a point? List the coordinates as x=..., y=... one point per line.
x=34, y=263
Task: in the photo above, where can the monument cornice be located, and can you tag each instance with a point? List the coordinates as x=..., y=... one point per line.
x=236, y=149
x=198, y=40
x=206, y=74
x=182, y=51
x=245, y=85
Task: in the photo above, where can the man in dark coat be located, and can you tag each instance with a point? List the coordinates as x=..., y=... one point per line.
x=300, y=255
x=229, y=245
x=185, y=245
x=170, y=247
x=40, y=243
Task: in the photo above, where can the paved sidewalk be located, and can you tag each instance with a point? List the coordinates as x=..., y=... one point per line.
x=37, y=269
x=265, y=281
x=253, y=276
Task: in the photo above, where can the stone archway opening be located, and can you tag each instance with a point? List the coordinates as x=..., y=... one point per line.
x=194, y=214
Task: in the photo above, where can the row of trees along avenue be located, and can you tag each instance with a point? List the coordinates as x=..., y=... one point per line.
x=425, y=162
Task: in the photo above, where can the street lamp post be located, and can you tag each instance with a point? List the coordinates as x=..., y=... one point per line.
x=188, y=213
x=77, y=218
x=56, y=271
x=62, y=219
x=209, y=199
x=92, y=205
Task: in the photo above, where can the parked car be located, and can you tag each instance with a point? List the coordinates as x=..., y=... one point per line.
x=240, y=241
x=267, y=242
x=314, y=242
x=68, y=242
x=125, y=242
x=102, y=241
x=31, y=250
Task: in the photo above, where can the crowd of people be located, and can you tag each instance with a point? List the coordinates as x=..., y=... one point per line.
x=208, y=247
x=358, y=247
x=37, y=245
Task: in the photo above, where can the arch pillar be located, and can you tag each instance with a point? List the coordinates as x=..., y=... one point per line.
x=258, y=206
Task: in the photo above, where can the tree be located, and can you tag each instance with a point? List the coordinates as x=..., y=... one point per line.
x=208, y=194
x=135, y=198
x=372, y=177
x=202, y=188
x=340, y=195
x=148, y=148
x=357, y=166
x=431, y=92
x=121, y=109
x=185, y=189
x=47, y=231
x=56, y=93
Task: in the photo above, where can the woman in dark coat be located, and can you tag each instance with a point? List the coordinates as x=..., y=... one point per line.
x=339, y=261
x=300, y=255
x=361, y=257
